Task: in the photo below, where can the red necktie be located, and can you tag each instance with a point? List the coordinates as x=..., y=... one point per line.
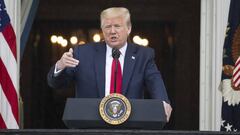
x=118, y=79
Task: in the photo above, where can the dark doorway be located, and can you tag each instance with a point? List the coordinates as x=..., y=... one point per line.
x=172, y=28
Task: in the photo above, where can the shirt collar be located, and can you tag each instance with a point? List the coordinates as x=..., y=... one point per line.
x=122, y=50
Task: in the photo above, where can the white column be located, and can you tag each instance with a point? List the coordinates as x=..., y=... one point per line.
x=25, y=10
x=214, y=15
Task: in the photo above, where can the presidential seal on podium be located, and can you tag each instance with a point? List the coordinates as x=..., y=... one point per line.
x=115, y=109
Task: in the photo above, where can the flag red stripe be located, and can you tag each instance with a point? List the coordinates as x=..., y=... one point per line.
x=236, y=80
x=237, y=62
x=2, y=123
x=10, y=37
x=235, y=73
x=9, y=89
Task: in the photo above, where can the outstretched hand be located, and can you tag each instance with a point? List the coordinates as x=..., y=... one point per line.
x=67, y=60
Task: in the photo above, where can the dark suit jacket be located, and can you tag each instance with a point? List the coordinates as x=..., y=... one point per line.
x=139, y=72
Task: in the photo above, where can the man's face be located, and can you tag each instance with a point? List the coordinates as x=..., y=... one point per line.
x=115, y=31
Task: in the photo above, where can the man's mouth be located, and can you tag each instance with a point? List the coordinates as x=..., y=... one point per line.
x=113, y=39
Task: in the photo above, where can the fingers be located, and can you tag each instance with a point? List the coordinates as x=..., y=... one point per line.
x=67, y=60
x=70, y=53
x=70, y=50
x=70, y=61
x=168, y=110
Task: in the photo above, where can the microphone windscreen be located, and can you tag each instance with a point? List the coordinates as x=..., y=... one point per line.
x=115, y=53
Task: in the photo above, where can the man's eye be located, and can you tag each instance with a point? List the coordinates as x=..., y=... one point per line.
x=107, y=27
x=117, y=26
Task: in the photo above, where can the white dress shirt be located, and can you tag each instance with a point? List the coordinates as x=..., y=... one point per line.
x=108, y=67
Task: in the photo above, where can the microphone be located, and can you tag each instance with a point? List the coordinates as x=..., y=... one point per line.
x=115, y=54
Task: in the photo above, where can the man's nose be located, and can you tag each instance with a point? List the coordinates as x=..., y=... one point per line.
x=113, y=30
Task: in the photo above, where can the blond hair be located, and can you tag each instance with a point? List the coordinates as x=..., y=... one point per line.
x=116, y=12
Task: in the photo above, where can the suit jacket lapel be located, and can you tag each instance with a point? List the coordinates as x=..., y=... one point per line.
x=129, y=62
x=100, y=62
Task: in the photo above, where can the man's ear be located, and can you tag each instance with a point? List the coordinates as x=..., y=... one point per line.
x=129, y=30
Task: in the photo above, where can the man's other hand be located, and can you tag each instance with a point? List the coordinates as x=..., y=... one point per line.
x=168, y=110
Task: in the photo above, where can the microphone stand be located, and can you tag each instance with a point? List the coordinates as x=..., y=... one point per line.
x=115, y=75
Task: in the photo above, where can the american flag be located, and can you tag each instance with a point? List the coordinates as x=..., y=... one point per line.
x=9, y=112
x=230, y=75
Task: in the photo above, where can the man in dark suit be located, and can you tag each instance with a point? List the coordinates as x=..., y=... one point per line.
x=89, y=66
